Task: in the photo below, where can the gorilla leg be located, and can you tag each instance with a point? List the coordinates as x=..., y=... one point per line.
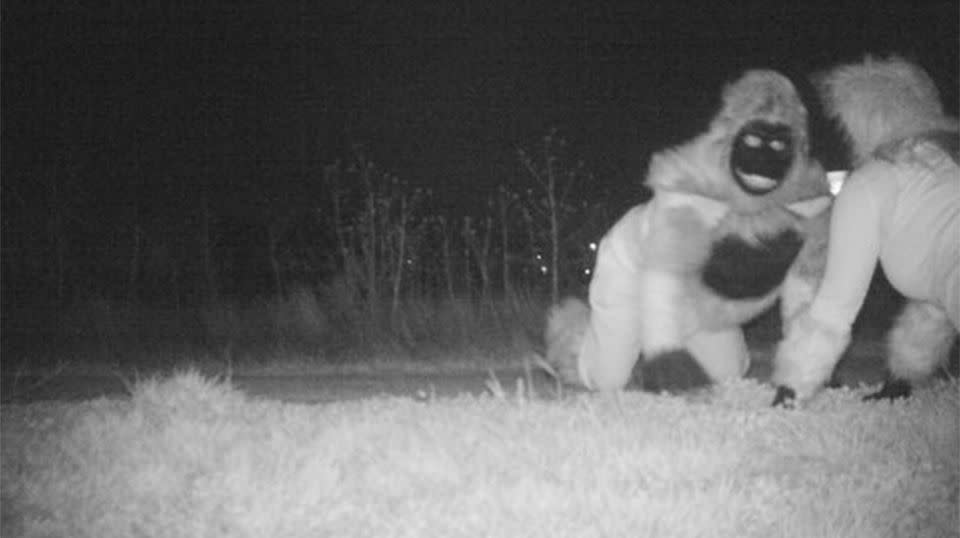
x=722, y=354
x=919, y=342
x=709, y=357
x=567, y=323
x=673, y=371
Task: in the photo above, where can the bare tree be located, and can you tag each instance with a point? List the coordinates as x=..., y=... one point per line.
x=555, y=175
x=477, y=241
x=505, y=198
x=447, y=257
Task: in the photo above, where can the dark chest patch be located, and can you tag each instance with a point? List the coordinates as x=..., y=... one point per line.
x=740, y=270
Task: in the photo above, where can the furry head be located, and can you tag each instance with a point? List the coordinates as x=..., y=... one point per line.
x=755, y=154
x=881, y=101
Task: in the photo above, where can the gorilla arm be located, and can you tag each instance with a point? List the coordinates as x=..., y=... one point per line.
x=800, y=284
x=611, y=341
x=815, y=337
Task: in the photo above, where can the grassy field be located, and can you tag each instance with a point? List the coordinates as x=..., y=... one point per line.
x=308, y=330
x=191, y=456
x=298, y=334
x=321, y=333
x=185, y=453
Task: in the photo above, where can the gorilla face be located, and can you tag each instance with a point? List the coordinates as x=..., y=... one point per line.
x=763, y=153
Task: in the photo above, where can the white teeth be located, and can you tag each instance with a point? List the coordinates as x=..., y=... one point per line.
x=757, y=181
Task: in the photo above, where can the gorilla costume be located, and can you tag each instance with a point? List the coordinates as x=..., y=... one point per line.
x=738, y=219
x=900, y=207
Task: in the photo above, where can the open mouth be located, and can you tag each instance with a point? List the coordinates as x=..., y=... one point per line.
x=762, y=156
x=756, y=182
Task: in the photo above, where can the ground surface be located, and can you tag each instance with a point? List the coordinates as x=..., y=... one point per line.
x=292, y=388
x=188, y=456
x=860, y=366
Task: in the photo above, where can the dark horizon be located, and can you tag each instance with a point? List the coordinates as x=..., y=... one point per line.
x=439, y=94
x=136, y=111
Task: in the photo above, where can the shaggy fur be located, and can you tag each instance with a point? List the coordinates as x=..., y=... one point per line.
x=880, y=102
x=919, y=341
x=566, y=325
x=731, y=220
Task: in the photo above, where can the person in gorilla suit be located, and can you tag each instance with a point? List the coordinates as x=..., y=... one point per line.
x=738, y=218
x=900, y=206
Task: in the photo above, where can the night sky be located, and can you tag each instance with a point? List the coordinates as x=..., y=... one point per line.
x=144, y=107
x=440, y=93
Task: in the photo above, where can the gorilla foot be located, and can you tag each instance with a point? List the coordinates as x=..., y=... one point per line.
x=892, y=389
x=673, y=371
x=834, y=382
x=785, y=397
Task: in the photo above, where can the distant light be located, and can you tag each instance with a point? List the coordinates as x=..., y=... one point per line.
x=587, y=271
x=593, y=246
x=836, y=178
